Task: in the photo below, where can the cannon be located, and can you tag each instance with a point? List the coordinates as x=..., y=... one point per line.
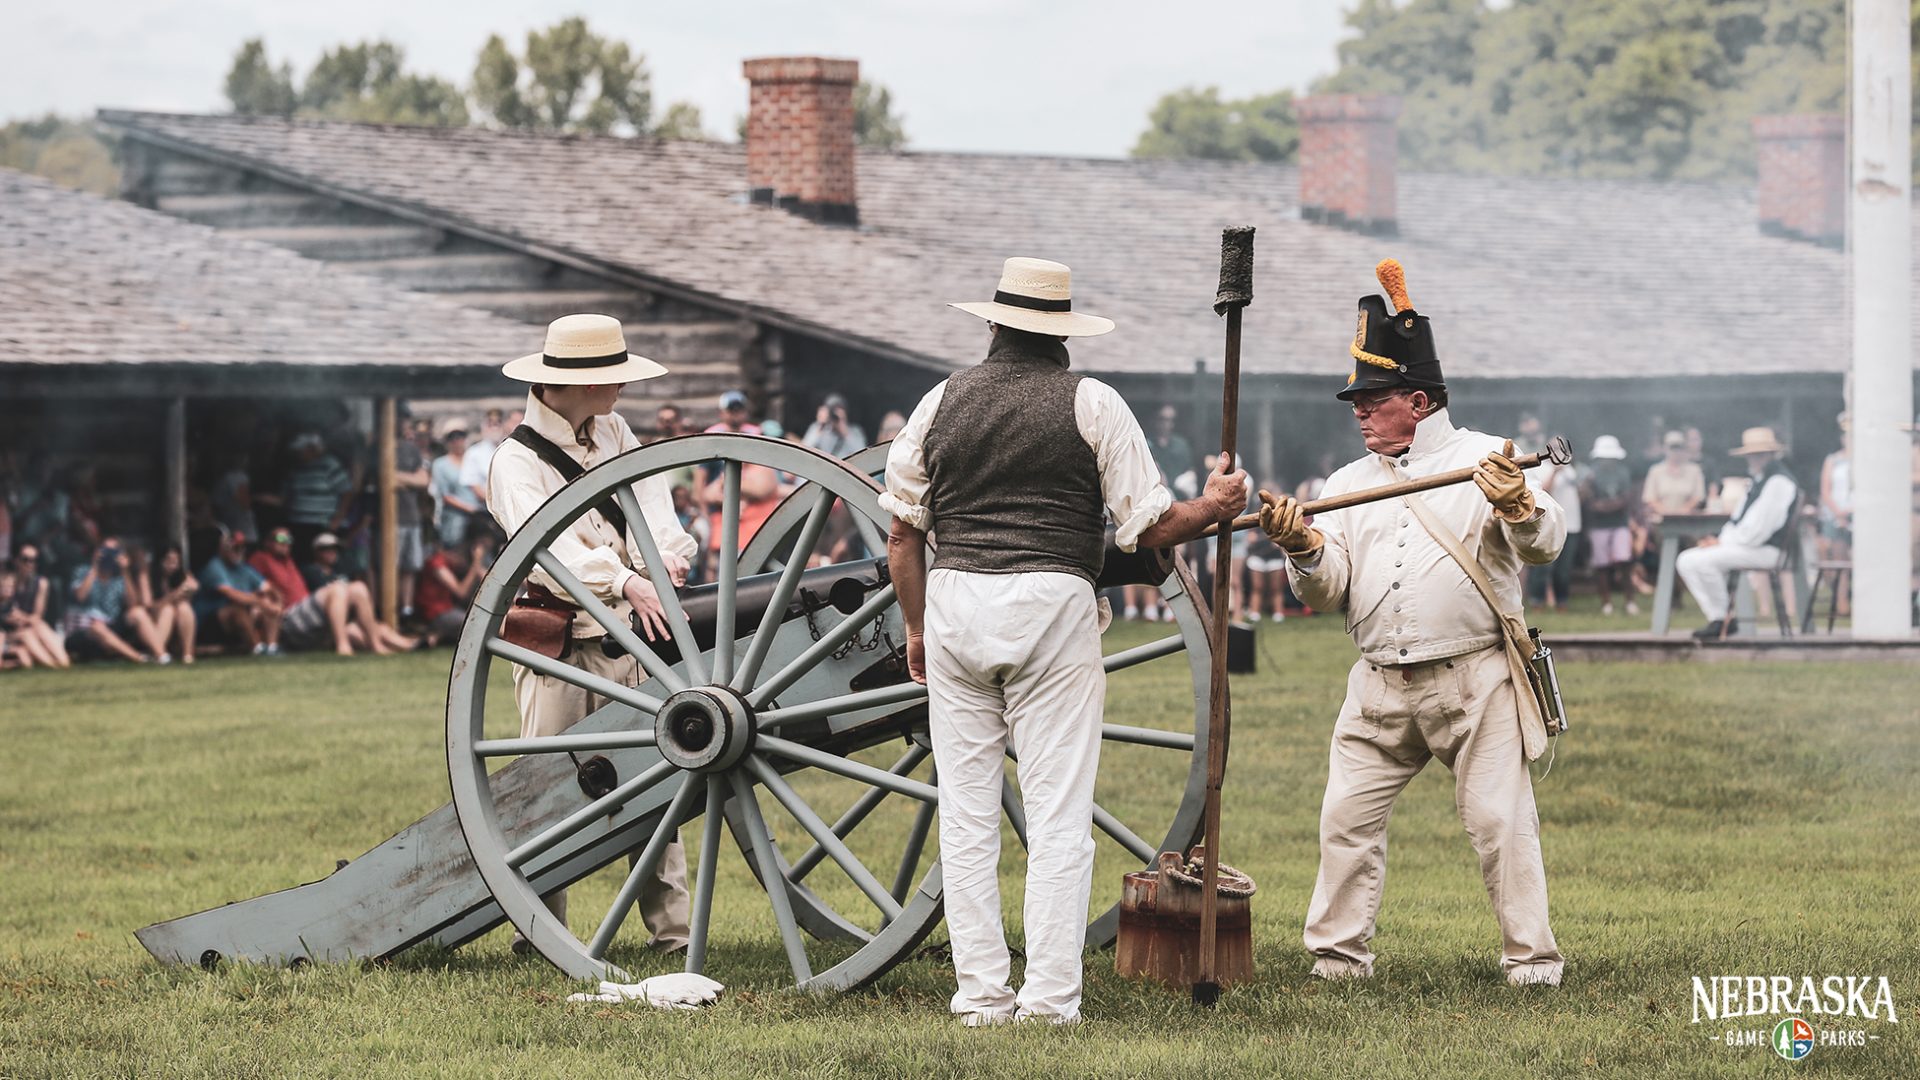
x=779, y=713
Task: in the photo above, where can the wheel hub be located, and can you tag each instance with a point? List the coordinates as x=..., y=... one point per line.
x=704, y=729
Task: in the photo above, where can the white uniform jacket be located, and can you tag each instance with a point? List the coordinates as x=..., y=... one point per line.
x=518, y=482
x=1405, y=599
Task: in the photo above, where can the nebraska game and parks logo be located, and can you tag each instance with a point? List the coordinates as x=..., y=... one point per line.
x=1794, y=1016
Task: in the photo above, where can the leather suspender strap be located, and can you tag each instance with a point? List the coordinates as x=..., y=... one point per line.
x=568, y=469
x=1513, y=630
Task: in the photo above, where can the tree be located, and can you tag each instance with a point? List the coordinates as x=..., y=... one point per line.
x=875, y=125
x=69, y=152
x=1196, y=123
x=255, y=87
x=681, y=120
x=570, y=79
x=367, y=82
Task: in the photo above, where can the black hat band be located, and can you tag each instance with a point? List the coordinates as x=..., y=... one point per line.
x=609, y=360
x=1031, y=303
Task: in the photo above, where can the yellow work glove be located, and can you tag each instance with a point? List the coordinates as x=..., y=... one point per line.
x=1504, y=485
x=1281, y=519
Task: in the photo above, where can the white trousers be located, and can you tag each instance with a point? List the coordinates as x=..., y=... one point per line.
x=1705, y=571
x=1015, y=658
x=549, y=706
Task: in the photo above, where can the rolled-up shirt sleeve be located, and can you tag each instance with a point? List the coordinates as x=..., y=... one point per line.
x=1129, y=480
x=907, y=482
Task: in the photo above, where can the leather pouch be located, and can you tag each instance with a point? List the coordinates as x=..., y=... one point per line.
x=538, y=622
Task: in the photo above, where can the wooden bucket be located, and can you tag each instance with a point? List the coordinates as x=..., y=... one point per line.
x=1160, y=926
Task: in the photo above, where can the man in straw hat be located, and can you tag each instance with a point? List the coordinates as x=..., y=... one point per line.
x=1014, y=466
x=1752, y=540
x=576, y=380
x=1433, y=679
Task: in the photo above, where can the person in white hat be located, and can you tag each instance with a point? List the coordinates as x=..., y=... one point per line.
x=1015, y=466
x=576, y=379
x=1753, y=539
x=1606, y=501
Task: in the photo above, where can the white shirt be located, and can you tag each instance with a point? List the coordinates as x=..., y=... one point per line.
x=1764, y=518
x=1129, y=480
x=603, y=559
x=1405, y=598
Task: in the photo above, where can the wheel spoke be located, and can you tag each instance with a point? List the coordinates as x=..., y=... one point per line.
x=590, y=813
x=770, y=875
x=910, y=858
x=723, y=635
x=824, y=836
x=703, y=886
x=690, y=654
x=1140, y=654
x=845, y=703
x=1110, y=825
x=849, y=768
x=1016, y=813
x=617, y=629
x=1172, y=740
x=563, y=744
x=567, y=673
x=821, y=649
x=643, y=867
x=856, y=813
x=783, y=592
x=869, y=533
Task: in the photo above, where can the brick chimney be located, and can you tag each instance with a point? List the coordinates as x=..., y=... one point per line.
x=1803, y=176
x=1349, y=155
x=800, y=135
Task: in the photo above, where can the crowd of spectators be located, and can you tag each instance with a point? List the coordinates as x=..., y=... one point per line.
x=286, y=564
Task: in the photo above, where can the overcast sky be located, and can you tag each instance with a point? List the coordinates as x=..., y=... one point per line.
x=1062, y=77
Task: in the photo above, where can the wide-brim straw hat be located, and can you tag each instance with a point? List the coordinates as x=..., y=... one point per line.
x=1037, y=296
x=1758, y=440
x=583, y=350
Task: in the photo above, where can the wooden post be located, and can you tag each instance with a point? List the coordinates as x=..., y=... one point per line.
x=174, y=457
x=387, y=545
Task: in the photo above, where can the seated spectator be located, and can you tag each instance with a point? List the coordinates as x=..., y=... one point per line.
x=831, y=432
x=166, y=595
x=446, y=588
x=23, y=615
x=234, y=597
x=327, y=570
x=319, y=618
x=102, y=616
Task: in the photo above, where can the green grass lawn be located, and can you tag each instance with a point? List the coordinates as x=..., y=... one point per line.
x=1749, y=820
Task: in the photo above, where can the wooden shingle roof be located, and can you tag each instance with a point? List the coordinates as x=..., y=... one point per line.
x=1522, y=277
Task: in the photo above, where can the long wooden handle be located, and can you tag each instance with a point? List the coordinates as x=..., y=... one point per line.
x=1557, y=454
x=1217, y=702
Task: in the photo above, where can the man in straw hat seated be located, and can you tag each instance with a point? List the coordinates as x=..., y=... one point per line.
x=1433, y=679
x=576, y=380
x=1014, y=467
x=1753, y=540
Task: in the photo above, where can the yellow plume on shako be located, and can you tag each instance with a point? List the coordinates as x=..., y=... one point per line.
x=1394, y=279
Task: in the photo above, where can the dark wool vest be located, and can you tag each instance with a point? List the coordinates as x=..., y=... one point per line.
x=1014, y=487
x=1783, y=535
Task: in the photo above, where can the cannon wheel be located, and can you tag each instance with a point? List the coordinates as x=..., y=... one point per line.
x=734, y=689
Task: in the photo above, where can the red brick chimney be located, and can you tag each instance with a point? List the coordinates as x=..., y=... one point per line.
x=800, y=135
x=1349, y=155
x=1803, y=176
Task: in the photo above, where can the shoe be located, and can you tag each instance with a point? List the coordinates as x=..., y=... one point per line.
x=1633, y=608
x=1535, y=975
x=163, y=659
x=521, y=946
x=1253, y=616
x=982, y=1018
x=271, y=650
x=1131, y=613
x=1606, y=608
x=1166, y=615
x=259, y=650
x=1334, y=969
x=1710, y=632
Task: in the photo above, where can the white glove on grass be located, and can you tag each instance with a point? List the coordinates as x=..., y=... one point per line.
x=681, y=990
